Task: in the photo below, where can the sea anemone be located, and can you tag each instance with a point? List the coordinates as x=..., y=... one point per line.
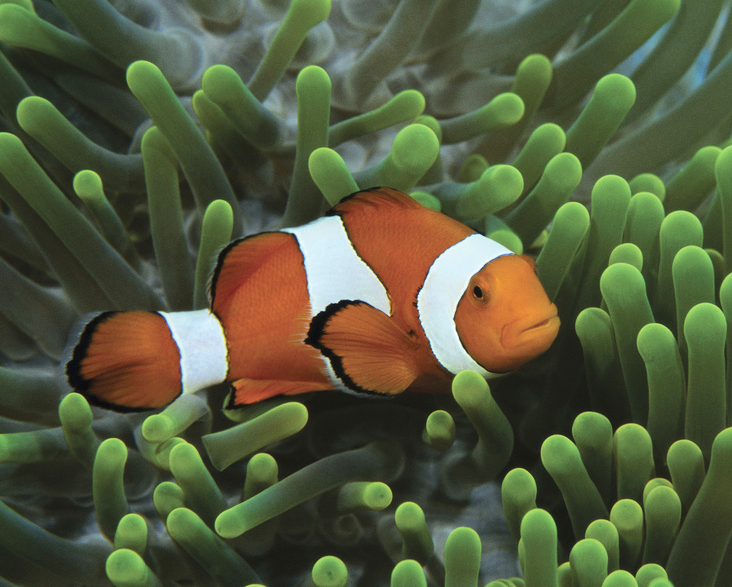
x=515, y=118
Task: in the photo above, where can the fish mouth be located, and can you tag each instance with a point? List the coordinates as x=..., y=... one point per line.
x=545, y=322
x=534, y=331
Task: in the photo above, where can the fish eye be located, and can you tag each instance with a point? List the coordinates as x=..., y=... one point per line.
x=481, y=295
x=480, y=290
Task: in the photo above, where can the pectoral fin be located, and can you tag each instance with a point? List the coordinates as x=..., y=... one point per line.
x=367, y=350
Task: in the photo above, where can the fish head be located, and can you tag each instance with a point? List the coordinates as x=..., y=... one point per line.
x=504, y=319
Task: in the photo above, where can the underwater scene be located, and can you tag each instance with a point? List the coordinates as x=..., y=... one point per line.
x=138, y=138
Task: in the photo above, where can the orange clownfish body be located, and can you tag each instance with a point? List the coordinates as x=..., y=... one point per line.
x=380, y=295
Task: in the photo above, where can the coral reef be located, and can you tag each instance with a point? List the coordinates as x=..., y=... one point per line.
x=138, y=138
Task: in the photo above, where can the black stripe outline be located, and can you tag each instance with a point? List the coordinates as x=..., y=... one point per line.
x=73, y=367
x=334, y=212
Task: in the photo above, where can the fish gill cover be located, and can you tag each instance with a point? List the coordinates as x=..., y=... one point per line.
x=139, y=137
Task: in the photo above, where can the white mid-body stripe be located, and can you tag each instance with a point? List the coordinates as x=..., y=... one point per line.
x=202, y=346
x=335, y=272
x=444, y=286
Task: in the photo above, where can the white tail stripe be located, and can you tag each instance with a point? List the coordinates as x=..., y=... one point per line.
x=444, y=286
x=335, y=272
x=202, y=346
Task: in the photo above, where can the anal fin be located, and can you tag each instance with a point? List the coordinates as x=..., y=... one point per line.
x=249, y=391
x=367, y=350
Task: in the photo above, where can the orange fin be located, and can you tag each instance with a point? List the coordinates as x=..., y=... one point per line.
x=239, y=259
x=383, y=197
x=367, y=350
x=126, y=361
x=250, y=391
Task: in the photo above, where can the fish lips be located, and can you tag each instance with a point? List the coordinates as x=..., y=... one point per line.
x=533, y=334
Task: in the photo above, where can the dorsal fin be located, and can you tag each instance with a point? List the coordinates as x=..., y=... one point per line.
x=240, y=259
x=377, y=196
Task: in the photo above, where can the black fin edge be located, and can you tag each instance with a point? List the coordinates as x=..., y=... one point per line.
x=77, y=381
x=73, y=366
x=333, y=212
x=230, y=403
x=317, y=326
x=211, y=285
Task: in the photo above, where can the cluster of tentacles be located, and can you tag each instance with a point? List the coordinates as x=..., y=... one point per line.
x=139, y=138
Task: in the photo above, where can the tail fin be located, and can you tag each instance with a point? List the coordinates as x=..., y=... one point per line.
x=126, y=361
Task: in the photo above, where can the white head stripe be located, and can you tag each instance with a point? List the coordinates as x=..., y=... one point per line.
x=335, y=271
x=437, y=301
x=202, y=346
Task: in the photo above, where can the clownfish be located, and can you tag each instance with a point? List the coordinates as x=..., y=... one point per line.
x=380, y=295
